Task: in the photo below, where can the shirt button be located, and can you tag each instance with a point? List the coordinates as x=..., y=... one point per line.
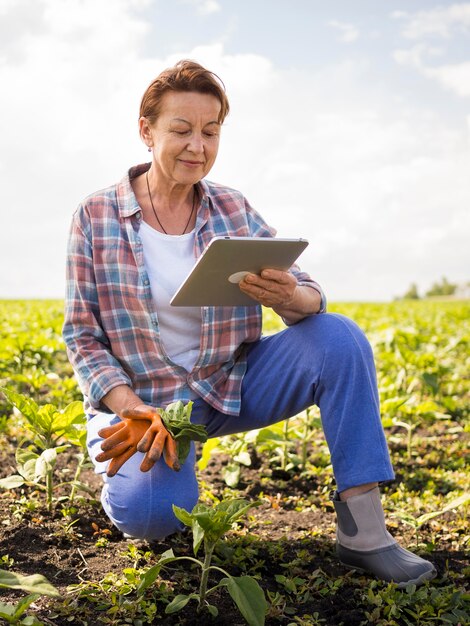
x=138, y=215
x=146, y=282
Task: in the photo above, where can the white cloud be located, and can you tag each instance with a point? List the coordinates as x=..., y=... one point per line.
x=380, y=191
x=204, y=7
x=348, y=32
x=417, y=55
x=377, y=189
x=441, y=21
x=455, y=78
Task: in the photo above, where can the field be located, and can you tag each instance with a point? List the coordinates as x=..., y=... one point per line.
x=52, y=523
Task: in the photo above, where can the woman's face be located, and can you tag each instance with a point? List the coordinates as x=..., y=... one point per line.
x=185, y=137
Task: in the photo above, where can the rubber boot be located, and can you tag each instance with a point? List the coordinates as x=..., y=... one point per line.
x=363, y=542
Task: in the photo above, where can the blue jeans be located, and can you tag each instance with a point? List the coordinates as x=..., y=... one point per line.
x=324, y=360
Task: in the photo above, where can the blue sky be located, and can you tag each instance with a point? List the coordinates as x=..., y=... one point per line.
x=350, y=126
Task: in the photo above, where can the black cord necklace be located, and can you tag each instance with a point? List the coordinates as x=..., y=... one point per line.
x=155, y=213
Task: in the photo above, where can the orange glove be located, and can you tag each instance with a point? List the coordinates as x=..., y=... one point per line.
x=142, y=430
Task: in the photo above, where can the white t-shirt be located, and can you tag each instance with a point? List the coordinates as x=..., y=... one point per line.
x=168, y=260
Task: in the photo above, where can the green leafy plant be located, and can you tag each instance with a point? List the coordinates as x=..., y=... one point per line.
x=114, y=597
x=417, y=522
x=277, y=442
x=177, y=419
x=48, y=426
x=209, y=524
x=36, y=585
x=237, y=447
x=421, y=350
x=416, y=606
x=47, y=423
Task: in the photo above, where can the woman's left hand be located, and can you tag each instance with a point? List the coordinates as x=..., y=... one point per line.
x=274, y=288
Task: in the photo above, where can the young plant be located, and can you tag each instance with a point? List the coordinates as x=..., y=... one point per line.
x=237, y=447
x=209, y=524
x=177, y=419
x=47, y=423
x=279, y=443
x=36, y=585
x=417, y=522
x=48, y=427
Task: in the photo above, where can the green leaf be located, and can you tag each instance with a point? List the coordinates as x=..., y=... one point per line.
x=198, y=536
x=166, y=556
x=237, y=508
x=45, y=463
x=26, y=463
x=12, y=482
x=175, y=411
x=74, y=413
x=148, y=578
x=267, y=435
x=192, y=431
x=211, y=522
x=178, y=603
x=6, y=610
x=249, y=598
x=152, y=573
x=32, y=584
x=189, y=520
x=25, y=405
x=218, y=519
x=454, y=504
x=243, y=457
x=65, y=421
x=44, y=420
x=23, y=455
x=83, y=487
x=207, y=450
x=184, y=446
x=231, y=474
x=23, y=605
x=183, y=515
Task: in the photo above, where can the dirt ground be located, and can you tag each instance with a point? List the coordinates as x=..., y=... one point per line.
x=294, y=526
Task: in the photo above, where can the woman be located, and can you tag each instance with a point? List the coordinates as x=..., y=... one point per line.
x=130, y=247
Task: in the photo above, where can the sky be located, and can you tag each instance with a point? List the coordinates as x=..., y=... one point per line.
x=349, y=126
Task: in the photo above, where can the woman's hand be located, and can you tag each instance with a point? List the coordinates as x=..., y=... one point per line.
x=273, y=288
x=280, y=291
x=141, y=429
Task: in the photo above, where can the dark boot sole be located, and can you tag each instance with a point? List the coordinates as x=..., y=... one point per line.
x=381, y=563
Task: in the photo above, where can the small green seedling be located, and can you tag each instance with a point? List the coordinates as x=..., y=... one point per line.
x=48, y=426
x=176, y=418
x=36, y=585
x=417, y=522
x=209, y=524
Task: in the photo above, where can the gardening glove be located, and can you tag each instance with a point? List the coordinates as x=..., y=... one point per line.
x=141, y=429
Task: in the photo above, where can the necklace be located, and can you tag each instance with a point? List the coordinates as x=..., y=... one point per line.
x=155, y=213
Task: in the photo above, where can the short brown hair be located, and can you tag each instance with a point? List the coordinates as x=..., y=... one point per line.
x=186, y=75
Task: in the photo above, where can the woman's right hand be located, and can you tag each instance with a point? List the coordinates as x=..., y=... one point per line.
x=141, y=429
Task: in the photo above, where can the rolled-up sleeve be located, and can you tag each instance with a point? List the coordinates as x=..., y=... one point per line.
x=304, y=280
x=259, y=228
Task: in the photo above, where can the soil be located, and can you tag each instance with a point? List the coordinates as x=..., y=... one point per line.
x=281, y=531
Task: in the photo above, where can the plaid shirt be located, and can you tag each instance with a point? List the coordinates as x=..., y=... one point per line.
x=111, y=322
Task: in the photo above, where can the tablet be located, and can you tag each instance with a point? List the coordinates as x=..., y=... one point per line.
x=214, y=279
